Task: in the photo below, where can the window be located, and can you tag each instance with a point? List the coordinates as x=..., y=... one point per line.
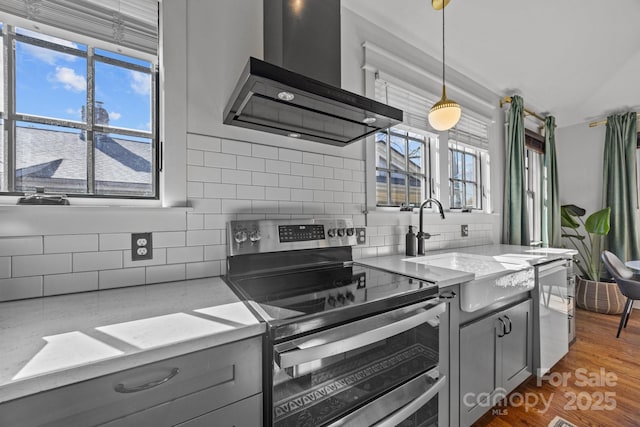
x=465, y=182
x=79, y=116
x=401, y=167
x=534, y=183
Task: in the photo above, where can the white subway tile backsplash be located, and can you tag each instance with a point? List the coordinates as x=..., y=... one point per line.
x=302, y=195
x=195, y=189
x=251, y=192
x=322, y=172
x=266, y=179
x=216, y=221
x=57, y=284
x=276, y=193
x=278, y=166
x=251, y=164
x=219, y=191
x=343, y=174
x=333, y=208
x=290, y=181
x=203, y=174
x=89, y=261
x=376, y=240
x=20, y=245
x=5, y=267
x=289, y=155
x=333, y=161
x=195, y=157
x=203, y=237
x=166, y=273
x=264, y=207
x=343, y=197
x=195, y=221
x=313, y=183
x=264, y=151
x=301, y=169
x=159, y=258
x=236, y=147
x=215, y=252
x=312, y=208
x=185, y=254
x=359, y=176
x=333, y=185
x=70, y=243
x=354, y=187
x=290, y=207
x=369, y=252
x=355, y=165
x=37, y=265
x=20, y=288
x=203, y=269
x=202, y=142
x=322, y=196
x=354, y=209
x=232, y=176
x=109, y=279
x=114, y=241
x=207, y=205
x=231, y=206
x=312, y=158
x=220, y=160
x=166, y=239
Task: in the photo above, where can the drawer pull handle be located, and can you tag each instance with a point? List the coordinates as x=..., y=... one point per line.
x=120, y=388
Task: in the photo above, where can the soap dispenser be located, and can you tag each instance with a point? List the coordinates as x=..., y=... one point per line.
x=411, y=243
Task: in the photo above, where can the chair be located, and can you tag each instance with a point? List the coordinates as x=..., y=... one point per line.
x=627, y=283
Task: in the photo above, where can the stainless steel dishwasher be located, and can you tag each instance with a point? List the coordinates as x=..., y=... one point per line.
x=552, y=301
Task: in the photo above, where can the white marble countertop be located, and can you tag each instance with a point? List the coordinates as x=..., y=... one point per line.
x=444, y=277
x=54, y=341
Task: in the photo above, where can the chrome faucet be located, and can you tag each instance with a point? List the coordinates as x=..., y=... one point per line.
x=422, y=236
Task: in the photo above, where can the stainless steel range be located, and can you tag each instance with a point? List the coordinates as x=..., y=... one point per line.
x=346, y=344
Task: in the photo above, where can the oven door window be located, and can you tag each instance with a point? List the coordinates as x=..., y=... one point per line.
x=322, y=378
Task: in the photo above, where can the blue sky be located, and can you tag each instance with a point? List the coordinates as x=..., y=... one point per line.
x=54, y=84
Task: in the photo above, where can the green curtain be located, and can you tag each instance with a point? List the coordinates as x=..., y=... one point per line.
x=515, y=228
x=620, y=186
x=551, y=235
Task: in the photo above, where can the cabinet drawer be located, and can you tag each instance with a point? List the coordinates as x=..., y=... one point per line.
x=246, y=413
x=211, y=378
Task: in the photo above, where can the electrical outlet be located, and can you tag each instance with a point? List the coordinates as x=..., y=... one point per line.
x=464, y=230
x=141, y=246
x=361, y=235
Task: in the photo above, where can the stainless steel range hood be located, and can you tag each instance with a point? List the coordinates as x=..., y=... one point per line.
x=296, y=90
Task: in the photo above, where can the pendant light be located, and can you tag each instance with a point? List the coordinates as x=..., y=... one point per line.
x=445, y=113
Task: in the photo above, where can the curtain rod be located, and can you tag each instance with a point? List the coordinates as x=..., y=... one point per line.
x=529, y=112
x=604, y=122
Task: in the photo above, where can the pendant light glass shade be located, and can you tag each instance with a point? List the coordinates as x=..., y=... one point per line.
x=445, y=113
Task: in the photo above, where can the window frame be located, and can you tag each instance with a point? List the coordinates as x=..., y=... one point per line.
x=10, y=116
x=453, y=147
x=426, y=177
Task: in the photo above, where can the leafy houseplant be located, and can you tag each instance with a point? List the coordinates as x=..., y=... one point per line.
x=592, y=292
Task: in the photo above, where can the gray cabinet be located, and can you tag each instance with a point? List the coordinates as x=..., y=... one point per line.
x=495, y=357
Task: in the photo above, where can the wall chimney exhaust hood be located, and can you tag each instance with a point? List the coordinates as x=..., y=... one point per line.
x=296, y=91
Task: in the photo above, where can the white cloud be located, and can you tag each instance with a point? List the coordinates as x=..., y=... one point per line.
x=114, y=116
x=140, y=82
x=70, y=79
x=74, y=112
x=51, y=57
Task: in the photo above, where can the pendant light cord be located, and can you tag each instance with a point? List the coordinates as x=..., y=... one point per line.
x=443, y=79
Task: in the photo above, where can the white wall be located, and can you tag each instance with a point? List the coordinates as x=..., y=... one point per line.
x=221, y=172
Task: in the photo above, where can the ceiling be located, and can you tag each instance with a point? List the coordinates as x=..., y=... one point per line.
x=578, y=60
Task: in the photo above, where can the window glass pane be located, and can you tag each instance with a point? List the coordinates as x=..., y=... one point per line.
x=469, y=167
x=381, y=150
x=125, y=97
x=398, y=188
x=415, y=190
x=382, y=195
x=121, y=57
x=51, y=157
x=456, y=165
x=398, y=153
x=415, y=156
x=123, y=165
x=3, y=180
x=456, y=194
x=470, y=195
x=45, y=53
x=50, y=83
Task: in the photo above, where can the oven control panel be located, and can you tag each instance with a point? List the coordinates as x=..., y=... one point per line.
x=259, y=236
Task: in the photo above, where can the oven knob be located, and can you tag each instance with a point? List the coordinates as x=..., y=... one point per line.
x=332, y=232
x=240, y=236
x=331, y=301
x=341, y=298
x=351, y=297
x=254, y=236
x=340, y=232
x=351, y=231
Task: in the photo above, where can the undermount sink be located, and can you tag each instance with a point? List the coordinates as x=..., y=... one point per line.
x=494, y=280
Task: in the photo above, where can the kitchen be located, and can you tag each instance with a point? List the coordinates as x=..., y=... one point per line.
x=211, y=169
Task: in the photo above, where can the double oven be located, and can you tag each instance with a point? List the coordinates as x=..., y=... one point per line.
x=345, y=344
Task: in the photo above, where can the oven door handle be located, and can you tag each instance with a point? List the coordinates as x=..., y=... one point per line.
x=301, y=354
x=412, y=407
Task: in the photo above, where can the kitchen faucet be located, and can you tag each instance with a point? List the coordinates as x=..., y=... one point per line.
x=421, y=234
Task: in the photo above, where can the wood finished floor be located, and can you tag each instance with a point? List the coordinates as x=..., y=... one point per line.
x=595, y=349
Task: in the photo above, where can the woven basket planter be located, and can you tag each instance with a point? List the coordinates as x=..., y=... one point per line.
x=600, y=297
